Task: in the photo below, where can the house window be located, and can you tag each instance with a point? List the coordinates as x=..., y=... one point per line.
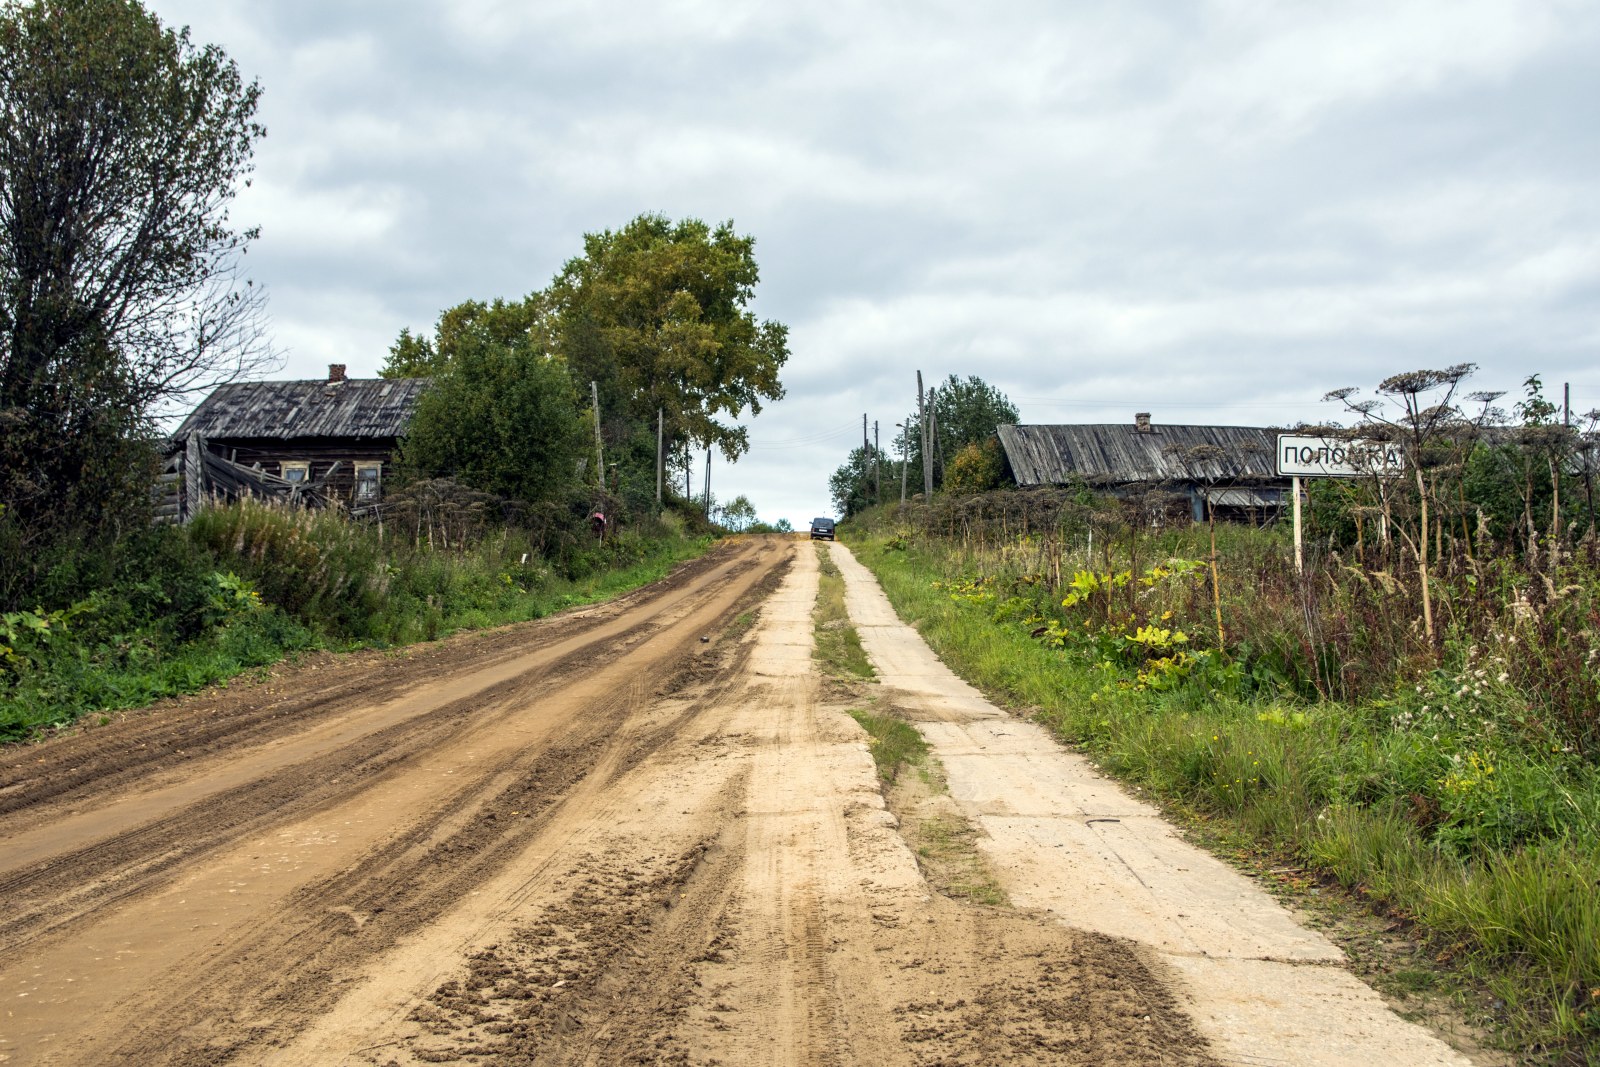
x=367, y=475
x=299, y=473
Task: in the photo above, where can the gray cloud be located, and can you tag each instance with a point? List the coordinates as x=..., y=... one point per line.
x=1214, y=211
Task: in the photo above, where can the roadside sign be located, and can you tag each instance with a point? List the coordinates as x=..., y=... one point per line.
x=1304, y=456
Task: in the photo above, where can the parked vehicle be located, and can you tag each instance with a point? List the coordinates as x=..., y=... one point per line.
x=822, y=529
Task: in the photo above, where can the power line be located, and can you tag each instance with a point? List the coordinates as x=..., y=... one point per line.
x=810, y=439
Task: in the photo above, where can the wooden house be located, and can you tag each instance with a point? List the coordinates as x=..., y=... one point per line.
x=320, y=443
x=1231, y=467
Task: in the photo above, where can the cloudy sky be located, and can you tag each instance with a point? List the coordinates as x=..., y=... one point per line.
x=1213, y=210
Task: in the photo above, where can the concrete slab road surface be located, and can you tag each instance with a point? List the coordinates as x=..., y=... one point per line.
x=636, y=833
x=1062, y=838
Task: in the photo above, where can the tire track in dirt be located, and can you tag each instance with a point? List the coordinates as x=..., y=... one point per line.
x=741, y=897
x=178, y=733
x=67, y=887
x=520, y=748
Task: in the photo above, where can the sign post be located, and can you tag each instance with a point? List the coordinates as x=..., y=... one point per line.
x=1299, y=551
x=1306, y=456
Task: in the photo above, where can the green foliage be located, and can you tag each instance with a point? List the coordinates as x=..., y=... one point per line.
x=851, y=486
x=977, y=468
x=501, y=418
x=509, y=323
x=121, y=145
x=965, y=412
x=969, y=411
x=739, y=515
x=658, y=313
x=244, y=585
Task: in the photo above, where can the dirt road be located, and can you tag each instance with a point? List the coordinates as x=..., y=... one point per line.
x=638, y=833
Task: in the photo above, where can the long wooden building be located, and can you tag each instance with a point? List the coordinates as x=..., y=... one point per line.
x=1231, y=467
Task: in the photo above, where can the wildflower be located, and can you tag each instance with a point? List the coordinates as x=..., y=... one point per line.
x=1503, y=678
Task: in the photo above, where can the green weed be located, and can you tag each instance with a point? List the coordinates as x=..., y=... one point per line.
x=895, y=744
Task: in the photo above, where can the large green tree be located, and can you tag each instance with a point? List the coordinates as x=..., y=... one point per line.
x=121, y=146
x=498, y=417
x=659, y=313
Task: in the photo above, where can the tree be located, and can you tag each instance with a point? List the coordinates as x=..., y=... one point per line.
x=739, y=515
x=850, y=485
x=963, y=413
x=121, y=147
x=509, y=323
x=498, y=417
x=975, y=469
x=658, y=312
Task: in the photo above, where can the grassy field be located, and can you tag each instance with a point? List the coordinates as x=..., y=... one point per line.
x=1429, y=804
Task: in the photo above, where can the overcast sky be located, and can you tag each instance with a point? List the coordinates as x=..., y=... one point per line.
x=1213, y=211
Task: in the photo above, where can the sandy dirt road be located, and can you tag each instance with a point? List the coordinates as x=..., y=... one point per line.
x=638, y=833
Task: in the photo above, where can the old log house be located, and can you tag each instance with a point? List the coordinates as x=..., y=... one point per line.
x=319, y=443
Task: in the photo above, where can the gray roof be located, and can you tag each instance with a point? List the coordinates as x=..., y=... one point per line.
x=1119, y=454
x=353, y=407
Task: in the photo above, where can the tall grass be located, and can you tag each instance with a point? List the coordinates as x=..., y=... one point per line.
x=1447, y=807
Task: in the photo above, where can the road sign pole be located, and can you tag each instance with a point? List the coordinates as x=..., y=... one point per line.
x=1299, y=552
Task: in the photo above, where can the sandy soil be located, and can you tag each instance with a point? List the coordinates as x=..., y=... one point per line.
x=634, y=834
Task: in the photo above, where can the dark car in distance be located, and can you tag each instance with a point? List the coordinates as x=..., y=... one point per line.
x=822, y=529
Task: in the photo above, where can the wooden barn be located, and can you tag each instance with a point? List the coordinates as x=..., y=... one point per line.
x=1231, y=466
x=319, y=443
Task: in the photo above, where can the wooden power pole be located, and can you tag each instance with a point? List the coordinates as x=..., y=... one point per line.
x=599, y=449
x=922, y=441
x=877, y=472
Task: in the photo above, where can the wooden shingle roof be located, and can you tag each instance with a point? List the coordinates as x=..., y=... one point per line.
x=351, y=407
x=1120, y=454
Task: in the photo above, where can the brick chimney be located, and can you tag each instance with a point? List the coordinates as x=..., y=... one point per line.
x=336, y=372
x=1141, y=422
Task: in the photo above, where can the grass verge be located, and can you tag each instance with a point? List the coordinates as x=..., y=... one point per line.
x=838, y=647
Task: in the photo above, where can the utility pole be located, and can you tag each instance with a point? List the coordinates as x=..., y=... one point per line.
x=905, y=444
x=599, y=450
x=922, y=440
x=930, y=442
x=866, y=458
x=661, y=465
x=877, y=473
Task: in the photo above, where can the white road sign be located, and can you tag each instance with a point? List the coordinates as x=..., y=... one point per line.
x=1332, y=457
